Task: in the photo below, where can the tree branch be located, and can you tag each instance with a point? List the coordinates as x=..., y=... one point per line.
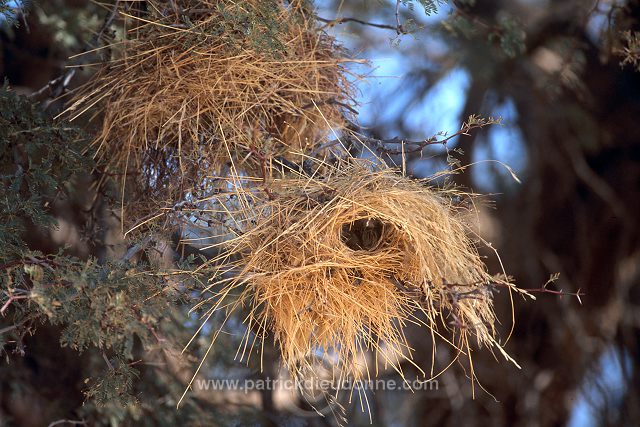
x=399, y=28
x=337, y=21
x=408, y=146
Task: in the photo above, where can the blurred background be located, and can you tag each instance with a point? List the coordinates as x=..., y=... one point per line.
x=565, y=78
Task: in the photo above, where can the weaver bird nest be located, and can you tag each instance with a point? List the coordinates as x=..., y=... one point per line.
x=340, y=264
x=195, y=85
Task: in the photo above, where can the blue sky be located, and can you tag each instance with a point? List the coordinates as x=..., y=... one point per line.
x=388, y=88
x=605, y=385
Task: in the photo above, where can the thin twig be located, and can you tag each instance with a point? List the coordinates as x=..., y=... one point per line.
x=106, y=359
x=409, y=146
x=72, y=422
x=11, y=299
x=561, y=293
x=399, y=27
x=337, y=21
x=330, y=101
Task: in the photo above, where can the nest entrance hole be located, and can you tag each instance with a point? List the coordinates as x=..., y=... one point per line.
x=366, y=234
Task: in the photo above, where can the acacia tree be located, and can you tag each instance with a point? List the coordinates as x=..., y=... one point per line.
x=92, y=324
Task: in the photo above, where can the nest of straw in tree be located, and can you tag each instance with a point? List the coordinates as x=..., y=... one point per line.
x=195, y=85
x=341, y=264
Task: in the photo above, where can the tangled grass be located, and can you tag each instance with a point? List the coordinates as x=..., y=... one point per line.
x=191, y=87
x=339, y=264
x=336, y=262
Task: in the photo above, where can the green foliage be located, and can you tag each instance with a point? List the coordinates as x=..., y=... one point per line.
x=38, y=160
x=460, y=26
x=430, y=6
x=68, y=26
x=239, y=25
x=509, y=34
x=106, y=309
x=99, y=305
x=114, y=387
x=259, y=24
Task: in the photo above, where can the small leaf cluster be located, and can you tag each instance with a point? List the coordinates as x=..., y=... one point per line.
x=506, y=32
x=239, y=25
x=109, y=307
x=509, y=35
x=430, y=6
x=38, y=160
x=258, y=24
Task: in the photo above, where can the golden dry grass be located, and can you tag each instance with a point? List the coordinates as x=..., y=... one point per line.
x=337, y=263
x=340, y=263
x=187, y=92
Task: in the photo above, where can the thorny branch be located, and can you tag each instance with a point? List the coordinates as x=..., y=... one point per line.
x=337, y=21
x=409, y=147
x=479, y=290
x=545, y=290
x=560, y=293
x=398, y=28
x=30, y=260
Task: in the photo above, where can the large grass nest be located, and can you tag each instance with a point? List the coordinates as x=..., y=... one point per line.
x=338, y=265
x=192, y=86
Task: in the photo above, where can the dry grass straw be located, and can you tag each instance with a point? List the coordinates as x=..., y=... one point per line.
x=339, y=265
x=187, y=92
